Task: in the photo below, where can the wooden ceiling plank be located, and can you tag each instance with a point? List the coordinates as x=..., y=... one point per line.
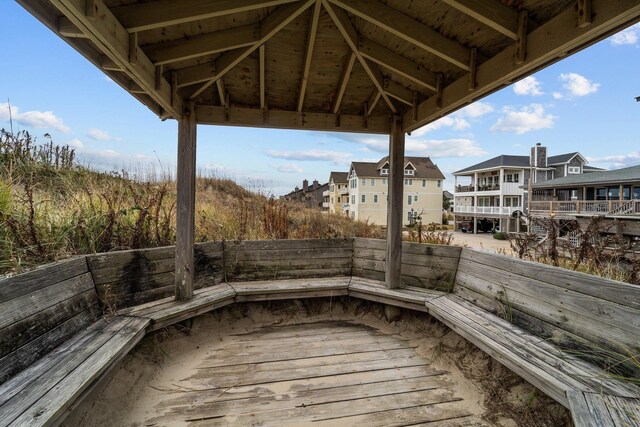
x=163, y=13
x=492, y=13
x=546, y=44
x=269, y=26
x=344, y=81
x=399, y=92
x=407, y=28
x=204, y=44
x=67, y=28
x=311, y=40
x=263, y=80
x=280, y=119
x=350, y=34
x=397, y=63
x=113, y=40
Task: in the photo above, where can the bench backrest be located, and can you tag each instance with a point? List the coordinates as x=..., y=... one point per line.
x=40, y=309
x=425, y=266
x=127, y=278
x=596, y=317
x=287, y=259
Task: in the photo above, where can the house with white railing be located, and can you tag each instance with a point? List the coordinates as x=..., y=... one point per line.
x=493, y=194
x=614, y=195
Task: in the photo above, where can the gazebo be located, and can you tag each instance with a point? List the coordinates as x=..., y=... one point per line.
x=368, y=66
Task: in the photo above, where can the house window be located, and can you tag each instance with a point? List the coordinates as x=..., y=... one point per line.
x=424, y=182
x=409, y=198
x=375, y=198
x=439, y=183
x=332, y=188
x=373, y=182
x=411, y=215
x=353, y=200
x=409, y=172
x=364, y=198
x=408, y=181
x=384, y=171
x=415, y=198
x=364, y=182
x=574, y=169
x=384, y=181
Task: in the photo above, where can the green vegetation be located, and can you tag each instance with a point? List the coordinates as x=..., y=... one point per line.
x=500, y=236
x=52, y=208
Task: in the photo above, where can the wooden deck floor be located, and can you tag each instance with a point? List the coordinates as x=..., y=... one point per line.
x=334, y=373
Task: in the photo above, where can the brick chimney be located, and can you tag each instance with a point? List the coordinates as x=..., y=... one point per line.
x=315, y=183
x=538, y=156
x=305, y=185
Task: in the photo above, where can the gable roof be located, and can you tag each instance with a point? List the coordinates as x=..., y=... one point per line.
x=504, y=160
x=424, y=168
x=338, y=176
x=630, y=174
x=561, y=158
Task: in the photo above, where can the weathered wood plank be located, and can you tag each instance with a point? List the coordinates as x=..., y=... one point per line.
x=47, y=275
x=258, y=245
x=290, y=289
x=276, y=274
x=609, y=290
x=409, y=247
x=286, y=254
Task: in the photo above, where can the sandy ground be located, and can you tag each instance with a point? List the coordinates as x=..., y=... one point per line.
x=480, y=241
x=163, y=360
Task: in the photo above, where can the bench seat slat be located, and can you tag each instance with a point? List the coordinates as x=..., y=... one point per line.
x=291, y=289
x=410, y=297
x=59, y=380
x=596, y=410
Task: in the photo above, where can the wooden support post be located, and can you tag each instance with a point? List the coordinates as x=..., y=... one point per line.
x=521, y=41
x=394, y=204
x=185, y=216
x=473, y=65
x=585, y=14
x=392, y=313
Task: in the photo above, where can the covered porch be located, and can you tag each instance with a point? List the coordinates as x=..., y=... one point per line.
x=320, y=65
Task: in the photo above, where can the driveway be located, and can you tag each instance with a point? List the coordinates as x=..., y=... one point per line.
x=480, y=241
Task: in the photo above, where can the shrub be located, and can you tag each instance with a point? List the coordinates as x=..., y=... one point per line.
x=500, y=236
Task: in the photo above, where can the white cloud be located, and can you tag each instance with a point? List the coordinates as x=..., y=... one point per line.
x=529, y=118
x=475, y=110
x=619, y=160
x=528, y=86
x=101, y=135
x=578, y=85
x=557, y=95
x=75, y=143
x=435, y=148
x=337, y=157
x=629, y=36
x=455, y=123
x=37, y=119
x=289, y=168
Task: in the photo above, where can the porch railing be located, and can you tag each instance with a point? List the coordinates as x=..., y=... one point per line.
x=587, y=207
x=490, y=210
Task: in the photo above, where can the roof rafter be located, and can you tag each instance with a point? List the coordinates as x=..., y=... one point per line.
x=491, y=13
x=311, y=40
x=269, y=26
x=408, y=29
x=344, y=81
x=547, y=43
x=104, y=30
x=162, y=13
x=397, y=63
x=204, y=44
x=399, y=92
x=350, y=34
x=263, y=80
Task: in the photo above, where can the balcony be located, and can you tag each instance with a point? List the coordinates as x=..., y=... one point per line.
x=345, y=207
x=326, y=193
x=343, y=191
x=487, y=210
x=325, y=205
x=472, y=188
x=587, y=207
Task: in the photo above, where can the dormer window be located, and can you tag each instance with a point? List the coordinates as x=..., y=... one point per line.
x=409, y=172
x=384, y=171
x=574, y=169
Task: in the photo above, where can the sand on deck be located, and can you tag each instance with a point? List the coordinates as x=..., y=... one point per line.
x=292, y=362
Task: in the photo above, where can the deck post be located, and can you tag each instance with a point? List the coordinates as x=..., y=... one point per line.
x=186, y=198
x=394, y=204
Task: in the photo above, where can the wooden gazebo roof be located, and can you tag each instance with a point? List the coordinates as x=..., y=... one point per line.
x=344, y=65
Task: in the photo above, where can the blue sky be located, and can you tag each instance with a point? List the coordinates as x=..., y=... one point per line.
x=584, y=103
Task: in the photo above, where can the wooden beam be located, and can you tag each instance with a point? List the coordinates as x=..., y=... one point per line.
x=67, y=28
x=398, y=92
x=204, y=44
x=521, y=40
x=492, y=13
x=397, y=63
x=408, y=29
x=278, y=119
x=269, y=26
x=393, y=266
x=473, y=64
x=344, y=81
x=372, y=102
x=350, y=34
x=545, y=45
x=186, y=203
x=263, y=81
x=113, y=40
x=311, y=40
x=221, y=92
x=585, y=13
x=162, y=13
